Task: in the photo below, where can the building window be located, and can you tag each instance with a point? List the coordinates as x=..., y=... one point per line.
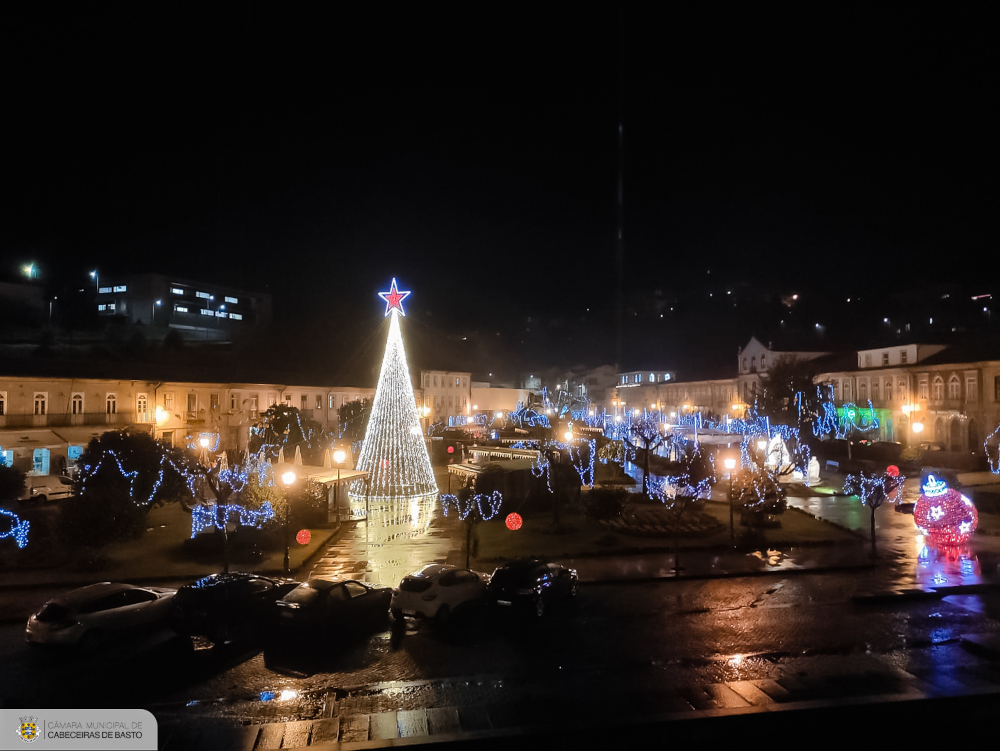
x=192, y=403
x=77, y=404
x=902, y=391
x=120, y=288
x=180, y=308
x=319, y=401
x=885, y=358
x=971, y=392
x=457, y=382
x=203, y=295
x=176, y=291
x=888, y=391
x=253, y=405
x=435, y=381
x=111, y=405
x=332, y=402
x=762, y=362
x=847, y=391
x=213, y=402
x=875, y=391
x=863, y=391
x=142, y=404
x=954, y=388
x=233, y=300
x=902, y=356
x=938, y=389
x=3, y=403
x=234, y=400
x=753, y=363
x=40, y=401
x=168, y=402
x=996, y=392
x=288, y=400
x=302, y=401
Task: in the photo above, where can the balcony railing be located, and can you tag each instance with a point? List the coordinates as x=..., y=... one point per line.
x=65, y=419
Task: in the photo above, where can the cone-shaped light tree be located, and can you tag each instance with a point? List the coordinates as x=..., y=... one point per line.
x=394, y=451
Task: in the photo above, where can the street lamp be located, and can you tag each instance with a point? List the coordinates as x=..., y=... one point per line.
x=338, y=457
x=731, y=465
x=156, y=304
x=288, y=479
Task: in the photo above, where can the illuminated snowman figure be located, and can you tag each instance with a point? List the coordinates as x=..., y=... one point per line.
x=944, y=515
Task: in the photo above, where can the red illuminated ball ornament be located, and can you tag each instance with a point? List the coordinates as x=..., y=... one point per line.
x=514, y=521
x=943, y=514
x=892, y=470
x=303, y=536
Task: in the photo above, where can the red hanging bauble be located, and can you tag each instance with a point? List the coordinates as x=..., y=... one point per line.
x=303, y=536
x=514, y=521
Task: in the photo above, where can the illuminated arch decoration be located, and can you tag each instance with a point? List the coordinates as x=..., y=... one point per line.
x=18, y=528
x=944, y=515
x=394, y=452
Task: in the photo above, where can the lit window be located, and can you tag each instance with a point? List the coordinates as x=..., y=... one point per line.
x=207, y=312
x=111, y=306
x=168, y=402
x=236, y=316
x=141, y=404
x=111, y=404
x=954, y=388
x=102, y=307
x=77, y=404
x=120, y=288
x=176, y=291
x=253, y=405
x=938, y=389
x=319, y=401
x=203, y=295
x=181, y=308
x=233, y=300
x=104, y=291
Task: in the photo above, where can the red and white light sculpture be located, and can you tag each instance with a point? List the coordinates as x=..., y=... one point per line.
x=944, y=515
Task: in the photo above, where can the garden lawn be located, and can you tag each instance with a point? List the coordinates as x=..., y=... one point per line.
x=580, y=536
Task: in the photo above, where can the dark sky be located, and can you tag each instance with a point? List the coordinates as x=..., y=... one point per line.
x=471, y=153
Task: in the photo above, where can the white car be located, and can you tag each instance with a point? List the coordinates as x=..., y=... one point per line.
x=43, y=488
x=89, y=616
x=437, y=591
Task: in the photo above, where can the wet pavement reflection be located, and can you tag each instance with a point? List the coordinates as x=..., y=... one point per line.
x=396, y=539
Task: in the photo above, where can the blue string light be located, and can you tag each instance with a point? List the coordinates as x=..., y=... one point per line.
x=204, y=517
x=18, y=528
x=486, y=506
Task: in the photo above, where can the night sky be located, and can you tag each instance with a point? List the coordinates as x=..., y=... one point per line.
x=472, y=154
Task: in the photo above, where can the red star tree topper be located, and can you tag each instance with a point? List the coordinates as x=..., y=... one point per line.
x=394, y=299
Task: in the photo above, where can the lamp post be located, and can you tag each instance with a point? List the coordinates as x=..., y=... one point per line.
x=288, y=479
x=731, y=465
x=156, y=304
x=338, y=457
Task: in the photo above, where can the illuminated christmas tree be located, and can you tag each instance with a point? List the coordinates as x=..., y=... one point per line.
x=394, y=451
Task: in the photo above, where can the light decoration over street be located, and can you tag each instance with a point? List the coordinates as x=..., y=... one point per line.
x=18, y=528
x=394, y=451
x=944, y=515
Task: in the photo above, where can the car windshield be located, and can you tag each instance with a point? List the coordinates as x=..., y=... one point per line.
x=413, y=584
x=52, y=612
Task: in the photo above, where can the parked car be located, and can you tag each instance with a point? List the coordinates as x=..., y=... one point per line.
x=44, y=488
x=437, y=591
x=228, y=607
x=324, y=606
x=532, y=583
x=90, y=616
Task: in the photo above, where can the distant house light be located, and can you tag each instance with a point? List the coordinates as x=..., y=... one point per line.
x=180, y=308
x=203, y=295
x=207, y=312
x=104, y=290
x=233, y=300
x=120, y=288
x=236, y=316
x=176, y=291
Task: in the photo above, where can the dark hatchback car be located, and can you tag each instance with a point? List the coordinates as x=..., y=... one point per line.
x=321, y=607
x=228, y=607
x=531, y=583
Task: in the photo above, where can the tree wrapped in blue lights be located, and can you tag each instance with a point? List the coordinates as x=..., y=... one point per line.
x=472, y=508
x=873, y=490
x=759, y=496
x=281, y=427
x=121, y=476
x=18, y=531
x=644, y=436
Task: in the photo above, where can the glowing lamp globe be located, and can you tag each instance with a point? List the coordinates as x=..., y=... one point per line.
x=514, y=521
x=303, y=536
x=944, y=515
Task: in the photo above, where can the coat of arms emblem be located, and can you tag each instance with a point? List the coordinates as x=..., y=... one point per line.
x=27, y=731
